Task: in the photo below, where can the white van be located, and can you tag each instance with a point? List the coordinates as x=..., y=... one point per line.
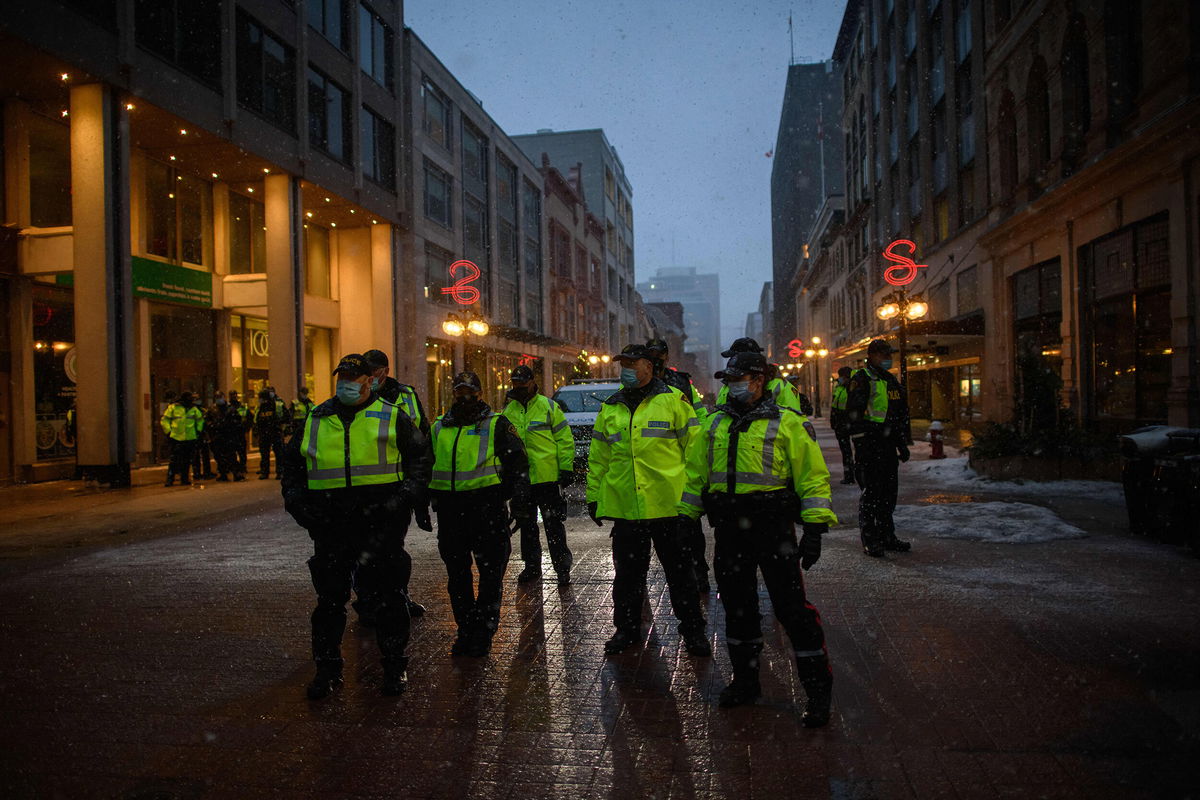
x=580, y=401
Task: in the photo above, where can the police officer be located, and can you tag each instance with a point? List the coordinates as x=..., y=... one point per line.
x=694, y=538
x=550, y=448
x=756, y=469
x=840, y=424
x=404, y=396
x=182, y=422
x=780, y=391
x=357, y=460
x=243, y=414
x=877, y=412
x=636, y=473
x=270, y=421
x=226, y=430
x=302, y=406
x=479, y=463
x=202, y=453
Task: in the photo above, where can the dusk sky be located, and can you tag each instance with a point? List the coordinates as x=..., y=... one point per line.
x=688, y=93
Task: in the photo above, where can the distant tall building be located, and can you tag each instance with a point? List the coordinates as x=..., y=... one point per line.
x=701, y=299
x=608, y=195
x=807, y=166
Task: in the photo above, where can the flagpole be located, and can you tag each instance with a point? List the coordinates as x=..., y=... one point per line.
x=791, y=39
x=821, y=141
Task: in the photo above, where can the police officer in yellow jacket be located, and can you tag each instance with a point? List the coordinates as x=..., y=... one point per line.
x=756, y=469
x=479, y=463
x=357, y=461
x=782, y=393
x=551, y=450
x=877, y=412
x=182, y=422
x=636, y=473
x=840, y=423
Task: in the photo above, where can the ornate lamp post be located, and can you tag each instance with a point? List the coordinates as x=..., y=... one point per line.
x=898, y=304
x=462, y=324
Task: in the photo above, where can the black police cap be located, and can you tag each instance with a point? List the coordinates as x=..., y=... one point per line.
x=376, y=358
x=469, y=380
x=353, y=365
x=880, y=346
x=742, y=364
x=742, y=345
x=632, y=352
x=658, y=345
x=522, y=373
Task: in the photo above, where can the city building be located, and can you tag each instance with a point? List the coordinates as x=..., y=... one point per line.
x=831, y=307
x=700, y=295
x=806, y=166
x=758, y=323
x=667, y=323
x=610, y=198
x=196, y=196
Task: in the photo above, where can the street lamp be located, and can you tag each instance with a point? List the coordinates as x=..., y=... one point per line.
x=899, y=305
x=463, y=323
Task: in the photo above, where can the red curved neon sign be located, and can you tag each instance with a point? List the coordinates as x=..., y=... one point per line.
x=462, y=291
x=904, y=271
x=795, y=348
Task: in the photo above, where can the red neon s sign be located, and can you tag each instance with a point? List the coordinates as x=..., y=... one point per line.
x=904, y=271
x=795, y=348
x=462, y=291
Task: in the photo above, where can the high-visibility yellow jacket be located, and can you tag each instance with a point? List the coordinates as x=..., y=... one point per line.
x=365, y=455
x=781, y=393
x=301, y=408
x=839, y=398
x=636, y=466
x=183, y=424
x=464, y=456
x=683, y=382
x=768, y=449
x=548, y=441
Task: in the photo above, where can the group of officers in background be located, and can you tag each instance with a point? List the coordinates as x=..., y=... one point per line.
x=365, y=463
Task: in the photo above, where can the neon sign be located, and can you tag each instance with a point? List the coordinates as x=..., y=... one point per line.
x=526, y=360
x=462, y=291
x=795, y=348
x=904, y=271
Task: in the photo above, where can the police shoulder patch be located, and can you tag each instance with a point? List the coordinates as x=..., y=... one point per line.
x=812, y=432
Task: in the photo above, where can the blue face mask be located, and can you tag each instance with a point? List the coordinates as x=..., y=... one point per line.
x=740, y=392
x=886, y=363
x=629, y=377
x=349, y=392
x=375, y=384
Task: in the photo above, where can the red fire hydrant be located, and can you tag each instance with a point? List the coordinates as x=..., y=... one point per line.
x=935, y=440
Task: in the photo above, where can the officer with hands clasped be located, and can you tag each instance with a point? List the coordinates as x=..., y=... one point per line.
x=356, y=462
x=551, y=450
x=756, y=469
x=479, y=463
x=841, y=424
x=877, y=412
x=636, y=473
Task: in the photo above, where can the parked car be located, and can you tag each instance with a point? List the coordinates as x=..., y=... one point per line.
x=580, y=401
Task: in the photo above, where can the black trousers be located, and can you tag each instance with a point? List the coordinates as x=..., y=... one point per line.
x=876, y=466
x=695, y=546
x=241, y=451
x=474, y=529
x=843, y=439
x=268, y=443
x=367, y=600
x=378, y=557
x=181, y=459
x=226, y=454
x=202, y=458
x=631, y=541
x=548, y=497
x=767, y=545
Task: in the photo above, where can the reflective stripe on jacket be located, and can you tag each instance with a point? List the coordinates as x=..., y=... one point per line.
x=408, y=401
x=464, y=457
x=300, y=411
x=774, y=452
x=547, y=437
x=636, y=461
x=877, y=401
x=366, y=454
x=839, y=398
x=182, y=424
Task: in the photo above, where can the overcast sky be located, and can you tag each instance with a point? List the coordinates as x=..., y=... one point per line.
x=688, y=92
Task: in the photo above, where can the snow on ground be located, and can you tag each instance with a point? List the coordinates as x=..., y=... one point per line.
x=955, y=474
x=1008, y=523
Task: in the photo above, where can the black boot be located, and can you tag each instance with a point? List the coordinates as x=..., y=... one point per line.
x=896, y=545
x=695, y=640
x=415, y=609
x=395, y=676
x=529, y=574
x=327, y=679
x=817, y=680
x=744, y=689
x=622, y=640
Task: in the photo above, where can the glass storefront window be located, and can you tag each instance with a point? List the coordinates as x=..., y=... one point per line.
x=969, y=390
x=318, y=363
x=250, y=350
x=54, y=373
x=439, y=373
x=316, y=261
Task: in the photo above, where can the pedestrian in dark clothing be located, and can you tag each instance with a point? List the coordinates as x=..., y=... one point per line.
x=346, y=474
x=243, y=414
x=479, y=463
x=840, y=423
x=226, y=431
x=270, y=421
x=202, y=464
x=877, y=410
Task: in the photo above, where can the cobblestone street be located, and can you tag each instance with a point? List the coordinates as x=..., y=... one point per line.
x=174, y=665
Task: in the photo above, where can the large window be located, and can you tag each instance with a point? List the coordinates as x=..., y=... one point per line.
x=506, y=188
x=247, y=236
x=437, y=273
x=475, y=241
x=1127, y=301
x=510, y=305
x=331, y=18
x=266, y=73
x=317, y=271
x=435, y=113
x=1037, y=113
x=967, y=284
x=532, y=223
x=437, y=195
x=186, y=33
x=329, y=118
x=176, y=211
x=49, y=173
x=475, y=157
x=53, y=356
x=374, y=46
x=378, y=149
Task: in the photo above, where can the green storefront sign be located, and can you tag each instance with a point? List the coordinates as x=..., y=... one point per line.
x=156, y=280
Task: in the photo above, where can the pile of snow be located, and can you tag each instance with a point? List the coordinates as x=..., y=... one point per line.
x=1010, y=523
x=956, y=474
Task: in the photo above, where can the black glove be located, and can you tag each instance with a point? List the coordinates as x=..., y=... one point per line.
x=592, y=508
x=810, y=543
x=300, y=512
x=421, y=516
x=902, y=452
x=566, y=477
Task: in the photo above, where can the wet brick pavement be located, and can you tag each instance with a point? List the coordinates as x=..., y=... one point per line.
x=173, y=666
